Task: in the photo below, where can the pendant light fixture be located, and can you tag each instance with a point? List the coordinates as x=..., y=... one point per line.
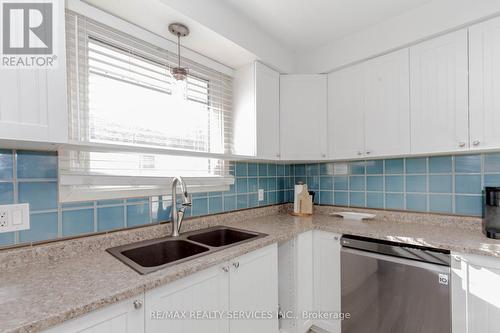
x=179, y=30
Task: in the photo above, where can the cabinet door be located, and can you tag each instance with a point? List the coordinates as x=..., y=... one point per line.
x=346, y=91
x=484, y=53
x=33, y=103
x=123, y=317
x=439, y=94
x=204, y=291
x=327, y=291
x=305, y=280
x=458, y=294
x=479, y=294
x=253, y=289
x=303, y=115
x=387, y=105
x=267, y=105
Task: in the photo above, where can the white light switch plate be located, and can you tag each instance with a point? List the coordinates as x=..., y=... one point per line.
x=340, y=169
x=261, y=194
x=14, y=217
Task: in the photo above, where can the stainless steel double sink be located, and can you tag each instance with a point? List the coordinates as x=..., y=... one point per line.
x=151, y=255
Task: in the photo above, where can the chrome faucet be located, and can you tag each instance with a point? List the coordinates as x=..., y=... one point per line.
x=178, y=215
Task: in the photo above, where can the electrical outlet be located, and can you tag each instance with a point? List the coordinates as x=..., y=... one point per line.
x=4, y=219
x=14, y=217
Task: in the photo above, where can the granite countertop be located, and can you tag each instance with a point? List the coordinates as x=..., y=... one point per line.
x=43, y=294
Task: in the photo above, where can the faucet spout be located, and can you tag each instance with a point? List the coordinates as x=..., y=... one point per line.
x=178, y=215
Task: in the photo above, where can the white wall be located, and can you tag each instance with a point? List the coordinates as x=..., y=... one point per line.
x=431, y=19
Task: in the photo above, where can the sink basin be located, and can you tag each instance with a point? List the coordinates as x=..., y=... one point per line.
x=163, y=252
x=146, y=257
x=151, y=255
x=222, y=237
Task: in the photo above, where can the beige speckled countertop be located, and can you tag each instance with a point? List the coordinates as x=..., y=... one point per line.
x=44, y=292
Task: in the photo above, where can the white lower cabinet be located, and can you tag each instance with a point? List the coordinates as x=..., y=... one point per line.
x=253, y=290
x=245, y=286
x=326, y=254
x=296, y=283
x=171, y=308
x=123, y=317
x=475, y=294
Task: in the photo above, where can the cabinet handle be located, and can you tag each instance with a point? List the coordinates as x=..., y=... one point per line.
x=461, y=144
x=236, y=264
x=368, y=152
x=225, y=269
x=278, y=155
x=360, y=153
x=137, y=304
x=323, y=155
x=476, y=142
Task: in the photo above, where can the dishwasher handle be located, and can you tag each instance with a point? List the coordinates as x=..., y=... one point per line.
x=408, y=262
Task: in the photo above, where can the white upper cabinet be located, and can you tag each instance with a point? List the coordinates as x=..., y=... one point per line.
x=303, y=117
x=256, y=112
x=368, y=108
x=346, y=90
x=267, y=101
x=387, y=105
x=33, y=103
x=484, y=53
x=439, y=94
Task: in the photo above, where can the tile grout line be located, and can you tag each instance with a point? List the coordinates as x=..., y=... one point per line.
x=95, y=216
x=453, y=186
x=15, y=190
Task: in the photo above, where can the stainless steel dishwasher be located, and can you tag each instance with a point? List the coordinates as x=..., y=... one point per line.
x=389, y=287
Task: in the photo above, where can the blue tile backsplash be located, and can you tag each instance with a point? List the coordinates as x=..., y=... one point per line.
x=441, y=184
x=31, y=176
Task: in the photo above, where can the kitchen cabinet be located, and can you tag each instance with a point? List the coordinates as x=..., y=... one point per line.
x=475, y=293
x=439, y=94
x=303, y=117
x=296, y=283
x=247, y=283
x=484, y=76
x=256, y=112
x=253, y=289
x=204, y=291
x=33, y=104
x=124, y=317
x=346, y=130
x=387, y=105
x=327, y=295
x=368, y=108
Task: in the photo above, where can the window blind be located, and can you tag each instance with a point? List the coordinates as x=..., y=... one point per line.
x=121, y=93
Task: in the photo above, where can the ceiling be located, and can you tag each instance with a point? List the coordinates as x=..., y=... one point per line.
x=306, y=24
x=277, y=32
x=154, y=16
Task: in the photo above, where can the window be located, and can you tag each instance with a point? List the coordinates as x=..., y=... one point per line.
x=121, y=96
x=134, y=100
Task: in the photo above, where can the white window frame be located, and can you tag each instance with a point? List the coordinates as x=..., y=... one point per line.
x=84, y=187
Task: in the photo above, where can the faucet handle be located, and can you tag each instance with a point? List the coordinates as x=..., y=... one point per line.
x=186, y=200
